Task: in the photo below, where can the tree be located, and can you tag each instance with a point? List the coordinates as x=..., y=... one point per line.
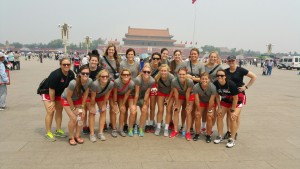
x=57, y=43
x=17, y=45
x=209, y=48
x=96, y=43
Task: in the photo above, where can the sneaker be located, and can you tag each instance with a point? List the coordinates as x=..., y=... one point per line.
x=227, y=135
x=86, y=130
x=101, y=136
x=141, y=132
x=93, y=138
x=49, y=136
x=135, y=129
x=192, y=131
x=1, y=109
x=125, y=128
x=147, y=129
x=114, y=133
x=122, y=133
x=173, y=134
x=203, y=130
x=230, y=143
x=157, y=131
x=188, y=136
x=196, y=137
x=171, y=126
x=180, y=130
x=151, y=129
x=130, y=132
x=60, y=133
x=105, y=129
x=166, y=132
x=110, y=126
x=218, y=140
x=208, y=138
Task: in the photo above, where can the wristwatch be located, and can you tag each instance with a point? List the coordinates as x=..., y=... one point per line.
x=231, y=110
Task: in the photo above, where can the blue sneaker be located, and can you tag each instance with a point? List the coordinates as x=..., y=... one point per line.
x=130, y=133
x=141, y=133
x=135, y=130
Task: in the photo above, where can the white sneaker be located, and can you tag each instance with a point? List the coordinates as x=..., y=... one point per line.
x=93, y=138
x=157, y=131
x=218, y=140
x=230, y=143
x=101, y=136
x=166, y=133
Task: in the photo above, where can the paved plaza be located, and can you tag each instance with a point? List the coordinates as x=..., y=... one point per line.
x=269, y=135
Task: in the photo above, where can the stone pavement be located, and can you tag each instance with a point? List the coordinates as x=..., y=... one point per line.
x=269, y=135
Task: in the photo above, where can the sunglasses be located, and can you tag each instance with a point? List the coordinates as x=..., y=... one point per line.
x=84, y=73
x=181, y=74
x=220, y=75
x=65, y=65
x=146, y=72
x=104, y=77
x=156, y=58
x=126, y=75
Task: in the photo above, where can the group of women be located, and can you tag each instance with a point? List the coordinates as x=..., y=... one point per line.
x=200, y=93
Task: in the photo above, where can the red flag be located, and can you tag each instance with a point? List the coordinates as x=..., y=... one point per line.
x=194, y=1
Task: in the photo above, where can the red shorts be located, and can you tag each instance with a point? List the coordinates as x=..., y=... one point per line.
x=65, y=102
x=88, y=100
x=100, y=99
x=46, y=97
x=122, y=97
x=228, y=105
x=192, y=97
x=203, y=104
x=162, y=94
x=153, y=93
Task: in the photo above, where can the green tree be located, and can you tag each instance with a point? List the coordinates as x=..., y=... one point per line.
x=209, y=48
x=17, y=45
x=96, y=43
x=57, y=43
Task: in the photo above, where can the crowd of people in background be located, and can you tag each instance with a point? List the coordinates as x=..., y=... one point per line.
x=202, y=94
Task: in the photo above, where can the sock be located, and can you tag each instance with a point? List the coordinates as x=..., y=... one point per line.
x=203, y=125
x=159, y=125
x=166, y=126
x=151, y=122
x=147, y=122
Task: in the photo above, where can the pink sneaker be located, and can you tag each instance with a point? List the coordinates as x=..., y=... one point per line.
x=173, y=134
x=188, y=136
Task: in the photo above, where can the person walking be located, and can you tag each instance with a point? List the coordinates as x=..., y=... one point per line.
x=3, y=81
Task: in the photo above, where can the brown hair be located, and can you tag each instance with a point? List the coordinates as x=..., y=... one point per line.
x=186, y=79
x=173, y=63
x=78, y=85
x=115, y=55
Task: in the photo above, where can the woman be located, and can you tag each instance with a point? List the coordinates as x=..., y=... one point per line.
x=110, y=61
x=94, y=70
x=230, y=104
x=155, y=63
x=73, y=100
x=122, y=89
x=163, y=82
x=213, y=65
x=205, y=94
x=237, y=74
x=194, y=69
x=164, y=56
x=134, y=68
x=101, y=89
x=143, y=84
x=57, y=81
x=182, y=87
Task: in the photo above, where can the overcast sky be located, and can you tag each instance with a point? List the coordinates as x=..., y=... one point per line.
x=247, y=24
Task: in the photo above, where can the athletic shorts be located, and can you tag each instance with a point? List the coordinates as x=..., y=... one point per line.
x=228, y=105
x=203, y=104
x=100, y=99
x=153, y=93
x=162, y=94
x=46, y=97
x=76, y=103
x=88, y=100
x=192, y=97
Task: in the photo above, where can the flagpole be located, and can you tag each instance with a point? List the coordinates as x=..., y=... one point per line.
x=195, y=4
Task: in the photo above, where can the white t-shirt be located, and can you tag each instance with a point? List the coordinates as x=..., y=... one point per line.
x=84, y=61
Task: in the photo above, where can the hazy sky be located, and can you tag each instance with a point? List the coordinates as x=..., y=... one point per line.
x=247, y=24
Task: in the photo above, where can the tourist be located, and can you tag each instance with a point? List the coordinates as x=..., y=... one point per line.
x=3, y=81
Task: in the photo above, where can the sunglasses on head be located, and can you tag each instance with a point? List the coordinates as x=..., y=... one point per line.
x=220, y=75
x=66, y=64
x=85, y=73
x=148, y=72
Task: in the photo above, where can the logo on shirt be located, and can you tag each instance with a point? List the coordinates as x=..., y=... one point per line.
x=62, y=80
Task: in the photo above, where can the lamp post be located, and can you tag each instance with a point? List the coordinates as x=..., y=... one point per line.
x=88, y=43
x=65, y=34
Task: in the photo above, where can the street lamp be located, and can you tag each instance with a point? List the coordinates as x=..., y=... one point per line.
x=88, y=43
x=65, y=34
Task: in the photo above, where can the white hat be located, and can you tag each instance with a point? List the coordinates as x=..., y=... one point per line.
x=1, y=54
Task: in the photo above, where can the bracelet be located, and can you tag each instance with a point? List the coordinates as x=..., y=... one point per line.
x=73, y=109
x=246, y=87
x=210, y=111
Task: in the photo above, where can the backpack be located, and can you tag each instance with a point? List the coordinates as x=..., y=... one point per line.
x=40, y=89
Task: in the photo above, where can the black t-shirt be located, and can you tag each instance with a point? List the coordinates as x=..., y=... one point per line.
x=227, y=91
x=94, y=73
x=238, y=76
x=58, y=81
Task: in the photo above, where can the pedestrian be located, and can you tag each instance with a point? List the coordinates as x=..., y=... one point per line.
x=17, y=60
x=3, y=82
x=270, y=67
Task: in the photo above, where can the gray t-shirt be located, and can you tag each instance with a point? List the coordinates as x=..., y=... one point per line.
x=204, y=95
x=154, y=71
x=176, y=85
x=213, y=75
x=197, y=69
x=72, y=88
x=119, y=85
x=105, y=65
x=96, y=87
x=134, y=69
x=165, y=87
x=177, y=66
x=143, y=86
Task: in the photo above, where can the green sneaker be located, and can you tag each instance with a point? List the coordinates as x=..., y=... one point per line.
x=130, y=133
x=141, y=132
x=60, y=133
x=49, y=136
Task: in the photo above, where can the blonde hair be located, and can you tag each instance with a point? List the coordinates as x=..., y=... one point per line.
x=218, y=58
x=102, y=71
x=146, y=65
x=157, y=77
